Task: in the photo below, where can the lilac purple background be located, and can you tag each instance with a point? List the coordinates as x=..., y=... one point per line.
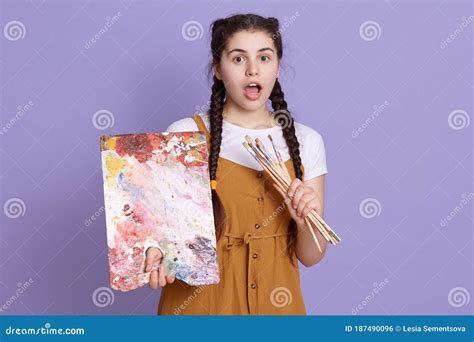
x=410, y=158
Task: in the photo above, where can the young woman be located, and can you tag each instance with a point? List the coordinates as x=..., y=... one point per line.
x=261, y=231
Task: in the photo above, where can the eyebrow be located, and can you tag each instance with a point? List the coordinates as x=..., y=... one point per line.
x=243, y=51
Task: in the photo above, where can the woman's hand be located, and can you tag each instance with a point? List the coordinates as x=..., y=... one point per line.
x=153, y=264
x=300, y=200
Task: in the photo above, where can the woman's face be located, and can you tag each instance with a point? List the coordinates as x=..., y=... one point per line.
x=250, y=57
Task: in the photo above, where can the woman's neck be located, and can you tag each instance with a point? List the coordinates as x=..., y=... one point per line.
x=255, y=119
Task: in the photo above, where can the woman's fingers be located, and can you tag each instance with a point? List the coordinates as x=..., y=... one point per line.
x=153, y=264
x=295, y=184
x=153, y=258
x=154, y=279
x=303, y=202
x=161, y=276
x=311, y=205
x=158, y=278
x=297, y=195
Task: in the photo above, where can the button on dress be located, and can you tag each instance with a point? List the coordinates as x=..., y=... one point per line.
x=257, y=276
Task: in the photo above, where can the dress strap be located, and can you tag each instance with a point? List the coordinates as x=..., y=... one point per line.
x=202, y=128
x=236, y=240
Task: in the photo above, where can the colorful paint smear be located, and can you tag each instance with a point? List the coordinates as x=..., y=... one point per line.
x=156, y=192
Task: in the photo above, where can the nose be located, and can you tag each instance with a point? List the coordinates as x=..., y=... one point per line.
x=252, y=70
x=252, y=73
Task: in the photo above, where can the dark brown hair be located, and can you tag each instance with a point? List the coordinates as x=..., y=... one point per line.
x=222, y=30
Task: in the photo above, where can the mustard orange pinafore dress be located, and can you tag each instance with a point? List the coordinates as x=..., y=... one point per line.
x=256, y=274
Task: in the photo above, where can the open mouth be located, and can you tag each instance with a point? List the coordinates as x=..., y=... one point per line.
x=253, y=90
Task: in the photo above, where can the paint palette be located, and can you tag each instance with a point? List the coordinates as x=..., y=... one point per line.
x=157, y=193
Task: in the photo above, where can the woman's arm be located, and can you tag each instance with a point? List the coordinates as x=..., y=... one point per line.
x=306, y=250
x=306, y=195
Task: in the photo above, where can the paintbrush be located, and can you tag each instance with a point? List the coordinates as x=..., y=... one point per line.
x=280, y=159
x=280, y=175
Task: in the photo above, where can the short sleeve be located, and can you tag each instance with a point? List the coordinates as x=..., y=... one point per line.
x=313, y=154
x=183, y=125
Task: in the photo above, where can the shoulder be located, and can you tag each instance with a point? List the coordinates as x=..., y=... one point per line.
x=187, y=124
x=307, y=136
x=313, y=154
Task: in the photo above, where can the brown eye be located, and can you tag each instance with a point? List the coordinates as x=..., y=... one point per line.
x=265, y=58
x=238, y=59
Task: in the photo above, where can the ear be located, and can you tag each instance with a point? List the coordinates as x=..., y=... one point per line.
x=217, y=72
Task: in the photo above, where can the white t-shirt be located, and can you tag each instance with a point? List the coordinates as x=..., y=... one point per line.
x=312, y=152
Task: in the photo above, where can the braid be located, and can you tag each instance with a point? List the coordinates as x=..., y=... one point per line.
x=285, y=120
x=215, y=120
x=222, y=30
